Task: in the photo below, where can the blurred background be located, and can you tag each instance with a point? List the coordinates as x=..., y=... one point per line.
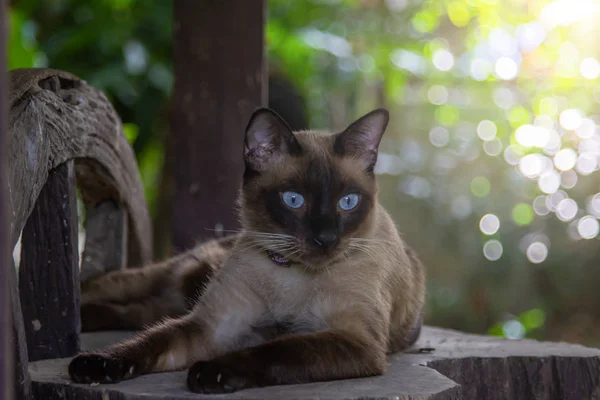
x=489, y=165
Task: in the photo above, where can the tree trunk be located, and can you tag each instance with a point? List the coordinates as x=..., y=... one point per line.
x=219, y=81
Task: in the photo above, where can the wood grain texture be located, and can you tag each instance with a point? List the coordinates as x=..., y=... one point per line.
x=21, y=380
x=55, y=117
x=105, y=239
x=49, y=269
x=220, y=80
x=462, y=367
x=6, y=341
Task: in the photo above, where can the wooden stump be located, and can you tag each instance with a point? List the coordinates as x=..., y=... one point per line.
x=443, y=365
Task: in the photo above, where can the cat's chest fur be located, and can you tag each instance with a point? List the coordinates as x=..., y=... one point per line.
x=295, y=299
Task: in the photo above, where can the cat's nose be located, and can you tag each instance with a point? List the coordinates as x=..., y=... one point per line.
x=325, y=240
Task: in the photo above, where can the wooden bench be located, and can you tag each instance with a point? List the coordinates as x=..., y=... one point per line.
x=65, y=135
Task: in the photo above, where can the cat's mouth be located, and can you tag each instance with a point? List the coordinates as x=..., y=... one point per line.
x=278, y=259
x=307, y=256
x=316, y=259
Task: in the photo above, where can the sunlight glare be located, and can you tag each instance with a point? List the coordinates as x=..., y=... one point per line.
x=589, y=68
x=532, y=136
x=549, y=182
x=506, y=68
x=565, y=159
x=571, y=119
x=443, y=60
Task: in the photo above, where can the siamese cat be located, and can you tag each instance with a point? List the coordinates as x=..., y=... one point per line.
x=317, y=286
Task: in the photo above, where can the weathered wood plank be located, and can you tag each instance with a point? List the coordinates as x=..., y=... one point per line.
x=105, y=240
x=6, y=348
x=460, y=367
x=55, y=117
x=21, y=380
x=219, y=80
x=49, y=269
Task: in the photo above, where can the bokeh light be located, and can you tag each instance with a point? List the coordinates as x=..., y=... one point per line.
x=493, y=147
x=487, y=130
x=537, y=252
x=489, y=224
x=513, y=330
x=571, y=119
x=506, y=68
x=540, y=207
x=492, y=250
x=567, y=209
x=549, y=182
x=443, y=60
x=437, y=94
x=590, y=68
x=480, y=186
x=439, y=136
x=532, y=136
x=522, y=214
x=565, y=159
x=588, y=227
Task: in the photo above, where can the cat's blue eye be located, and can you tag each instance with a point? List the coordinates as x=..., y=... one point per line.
x=293, y=199
x=348, y=202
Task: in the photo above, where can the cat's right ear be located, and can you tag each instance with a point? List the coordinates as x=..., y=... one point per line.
x=268, y=139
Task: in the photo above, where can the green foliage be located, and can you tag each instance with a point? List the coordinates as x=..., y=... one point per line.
x=22, y=49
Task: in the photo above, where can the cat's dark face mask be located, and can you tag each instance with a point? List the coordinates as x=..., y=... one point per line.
x=309, y=197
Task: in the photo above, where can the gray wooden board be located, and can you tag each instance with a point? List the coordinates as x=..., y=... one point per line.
x=49, y=270
x=105, y=239
x=55, y=117
x=481, y=367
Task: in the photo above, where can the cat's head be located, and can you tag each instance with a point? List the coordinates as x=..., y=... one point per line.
x=310, y=196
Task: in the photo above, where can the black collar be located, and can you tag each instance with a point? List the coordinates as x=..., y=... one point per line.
x=278, y=259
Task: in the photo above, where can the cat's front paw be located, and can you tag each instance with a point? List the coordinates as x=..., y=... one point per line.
x=216, y=377
x=88, y=368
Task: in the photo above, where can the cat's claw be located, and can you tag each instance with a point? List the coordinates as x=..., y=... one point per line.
x=211, y=377
x=92, y=368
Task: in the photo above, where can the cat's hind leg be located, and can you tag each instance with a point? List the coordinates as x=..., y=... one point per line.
x=134, y=315
x=135, y=297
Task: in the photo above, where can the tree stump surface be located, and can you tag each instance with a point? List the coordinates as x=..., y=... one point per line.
x=444, y=364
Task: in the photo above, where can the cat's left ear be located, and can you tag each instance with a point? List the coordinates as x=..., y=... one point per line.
x=361, y=139
x=268, y=139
